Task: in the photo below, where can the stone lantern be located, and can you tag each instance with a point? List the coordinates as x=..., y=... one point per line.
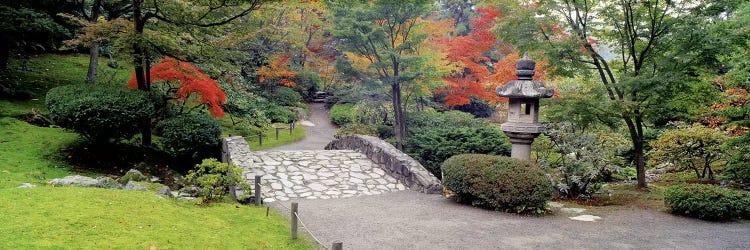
x=523, y=108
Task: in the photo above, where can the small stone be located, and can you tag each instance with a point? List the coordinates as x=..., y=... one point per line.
x=27, y=185
x=356, y=180
x=309, y=177
x=317, y=187
x=276, y=186
x=586, y=217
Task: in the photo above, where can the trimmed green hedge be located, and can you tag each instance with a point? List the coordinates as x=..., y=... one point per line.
x=707, y=202
x=100, y=113
x=498, y=182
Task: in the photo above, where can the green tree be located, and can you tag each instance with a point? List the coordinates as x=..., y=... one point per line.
x=645, y=54
x=26, y=28
x=175, y=19
x=694, y=147
x=384, y=33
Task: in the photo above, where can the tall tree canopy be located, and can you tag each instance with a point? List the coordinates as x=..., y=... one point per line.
x=645, y=54
x=384, y=34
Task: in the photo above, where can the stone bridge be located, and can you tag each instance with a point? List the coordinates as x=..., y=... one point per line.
x=350, y=166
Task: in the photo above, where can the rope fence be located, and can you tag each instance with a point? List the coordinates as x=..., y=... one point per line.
x=337, y=245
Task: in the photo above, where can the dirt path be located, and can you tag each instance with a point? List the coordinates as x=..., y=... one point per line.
x=316, y=137
x=411, y=220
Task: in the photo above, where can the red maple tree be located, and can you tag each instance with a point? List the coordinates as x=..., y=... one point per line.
x=479, y=75
x=192, y=81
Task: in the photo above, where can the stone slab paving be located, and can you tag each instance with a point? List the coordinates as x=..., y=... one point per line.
x=317, y=174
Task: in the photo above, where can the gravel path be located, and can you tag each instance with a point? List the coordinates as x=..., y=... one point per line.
x=316, y=137
x=411, y=220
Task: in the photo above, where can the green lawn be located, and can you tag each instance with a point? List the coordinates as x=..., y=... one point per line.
x=29, y=153
x=269, y=134
x=91, y=218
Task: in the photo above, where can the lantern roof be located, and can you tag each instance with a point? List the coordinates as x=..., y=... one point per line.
x=525, y=87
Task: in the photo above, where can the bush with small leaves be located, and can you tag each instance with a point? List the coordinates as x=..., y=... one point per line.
x=342, y=114
x=100, y=113
x=189, y=134
x=212, y=179
x=707, y=202
x=433, y=146
x=498, y=182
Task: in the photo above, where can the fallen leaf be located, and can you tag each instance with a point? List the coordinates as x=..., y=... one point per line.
x=152, y=247
x=6, y=171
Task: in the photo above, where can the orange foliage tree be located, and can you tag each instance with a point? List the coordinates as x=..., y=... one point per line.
x=278, y=70
x=476, y=75
x=192, y=82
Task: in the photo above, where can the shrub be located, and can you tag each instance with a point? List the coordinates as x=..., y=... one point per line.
x=356, y=129
x=212, y=179
x=277, y=113
x=282, y=96
x=477, y=107
x=433, y=146
x=498, y=182
x=694, y=147
x=342, y=114
x=707, y=202
x=579, y=162
x=100, y=113
x=190, y=134
x=738, y=168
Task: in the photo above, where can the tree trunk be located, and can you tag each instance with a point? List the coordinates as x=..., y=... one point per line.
x=94, y=49
x=399, y=127
x=139, y=61
x=4, y=52
x=93, y=63
x=638, y=155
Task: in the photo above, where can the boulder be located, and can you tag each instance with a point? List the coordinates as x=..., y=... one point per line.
x=107, y=182
x=75, y=180
x=165, y=190
x=132, y=175
x=134, y=186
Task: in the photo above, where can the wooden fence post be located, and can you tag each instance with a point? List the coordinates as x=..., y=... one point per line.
x=277, y=133
x=291, y=127
x=293, y=222
x=257, y=190
x=337, y=245
x=260, y=135
x=225, y=158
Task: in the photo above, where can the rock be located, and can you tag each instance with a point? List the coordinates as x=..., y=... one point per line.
x=134, y=186
x=166, y=191
x=75, y=180
x=27, y=185
x=107, y=182
x=132, y=175
x=586, y=217
x=306, y=123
